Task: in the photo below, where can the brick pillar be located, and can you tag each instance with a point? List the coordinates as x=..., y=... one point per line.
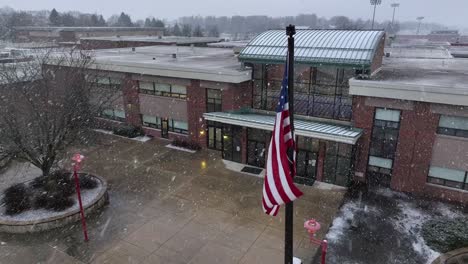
x=196, y=106
x=363, y=118
x=244, y=145
x=414, y=150
x=321, y=161
x=131, y=101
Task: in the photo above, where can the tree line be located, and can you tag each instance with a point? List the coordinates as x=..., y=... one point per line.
x=239, y=27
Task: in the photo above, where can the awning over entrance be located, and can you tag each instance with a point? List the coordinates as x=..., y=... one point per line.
x=305, y=128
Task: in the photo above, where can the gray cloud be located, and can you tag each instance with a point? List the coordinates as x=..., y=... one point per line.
x=449, y=12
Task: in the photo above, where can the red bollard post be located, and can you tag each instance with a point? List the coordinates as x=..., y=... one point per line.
x=324, y=250
x=78, y=158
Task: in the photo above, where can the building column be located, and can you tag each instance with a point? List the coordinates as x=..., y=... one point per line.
x=321, y=161
x=131, y=101
x=414, y=150
x=244, y=145
x=363, y=118
x=196, y=106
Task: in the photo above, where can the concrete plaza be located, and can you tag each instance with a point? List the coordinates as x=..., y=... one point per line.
x=168, y=206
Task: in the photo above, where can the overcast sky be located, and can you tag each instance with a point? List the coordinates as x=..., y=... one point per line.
x=449, y=12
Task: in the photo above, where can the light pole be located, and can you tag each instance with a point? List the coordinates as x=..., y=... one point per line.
x=419, y=24
x=394, y=5
x=374, y=3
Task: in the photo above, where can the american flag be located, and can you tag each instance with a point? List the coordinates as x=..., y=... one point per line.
x=278, y=187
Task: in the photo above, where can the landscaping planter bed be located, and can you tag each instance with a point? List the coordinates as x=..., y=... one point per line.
x=42, y=219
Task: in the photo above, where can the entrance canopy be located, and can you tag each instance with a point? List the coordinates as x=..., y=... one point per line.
x=319, y=47
x=303, y=127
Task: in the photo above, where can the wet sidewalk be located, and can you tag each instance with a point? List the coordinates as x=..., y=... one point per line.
x=168, y=206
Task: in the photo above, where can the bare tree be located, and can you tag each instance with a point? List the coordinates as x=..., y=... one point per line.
x=47, y=104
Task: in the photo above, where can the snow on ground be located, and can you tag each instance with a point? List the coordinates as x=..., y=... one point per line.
x=410, y=222
x=387, y=223
x=411, y=219
x=87, y=197
x=179, y=148
x=139, y=138
x=342, y=222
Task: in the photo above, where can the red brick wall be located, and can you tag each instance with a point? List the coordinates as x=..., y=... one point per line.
x=131, y=100
x=196, y=106
x=363, y=117
x=414, y=150
x=237, y=96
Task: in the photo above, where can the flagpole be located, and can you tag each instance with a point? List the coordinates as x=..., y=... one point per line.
x=289, y=209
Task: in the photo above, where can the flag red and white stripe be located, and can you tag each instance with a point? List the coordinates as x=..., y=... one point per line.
x=278, y=186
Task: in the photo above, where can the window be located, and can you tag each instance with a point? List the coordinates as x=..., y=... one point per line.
x=213, y=100
x=105, y=81
x=448, y=177
x=162, y=89
x=174, y=125
x=453, y=126
x=383, y=146
x=338, y=163
x=385, y=133
x=321, y=92
x=151, y=121
x=117, y=115
x=178, y=126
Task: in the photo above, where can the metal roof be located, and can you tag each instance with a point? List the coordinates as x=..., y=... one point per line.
x=305, y=128
x=347, y=48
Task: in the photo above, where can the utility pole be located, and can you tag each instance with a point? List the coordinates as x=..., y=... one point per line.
x=375, y=3
x=394, y=5
x=419, y=24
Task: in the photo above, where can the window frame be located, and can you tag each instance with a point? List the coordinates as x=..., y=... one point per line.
x=169, y=94
x=443, y=182
x=113, y=116
x=335, y=104
x=216, y=102
x=151, y=125
x=450, y=131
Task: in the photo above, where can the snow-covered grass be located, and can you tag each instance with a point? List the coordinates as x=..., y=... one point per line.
x=139, y=138
x=87, y=197
x=181, y=149
x=410, y=222
x=411, y=219
x=342, y=222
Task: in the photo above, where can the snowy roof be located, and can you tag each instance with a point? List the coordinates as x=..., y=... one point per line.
x=156, y=39
x=347, y=48
x=442, y=81
x=210, y=64
x=308, y=128
x=81, y=29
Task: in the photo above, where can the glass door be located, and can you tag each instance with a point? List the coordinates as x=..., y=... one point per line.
x=164, y=128
x=232, y=143
x=306, y=167
x=256, y=152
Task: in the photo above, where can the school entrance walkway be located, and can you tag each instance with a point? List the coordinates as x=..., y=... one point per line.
x=168, y=206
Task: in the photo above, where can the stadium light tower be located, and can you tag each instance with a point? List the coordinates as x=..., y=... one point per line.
x=419, y=24
x=375, y=3
x=394, y=6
